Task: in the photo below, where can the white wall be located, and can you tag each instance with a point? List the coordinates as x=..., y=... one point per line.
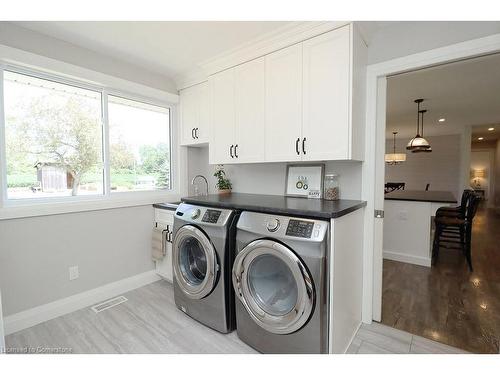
x=35, y=253
x=269, y=178
x=406, y=38
x=440, y=168
x=28, y=40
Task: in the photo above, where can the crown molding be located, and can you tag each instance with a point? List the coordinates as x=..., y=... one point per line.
x=190, y=78
x=283, y=37
x=290, y=34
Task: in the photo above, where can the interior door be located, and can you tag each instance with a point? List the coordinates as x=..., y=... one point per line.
x=250, y=111
x=274, y=286
x=194, y=261
x=222, y=117
x=326, y=122
x=283, y=104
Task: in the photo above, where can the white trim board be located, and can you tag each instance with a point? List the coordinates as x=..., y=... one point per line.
x=290, y=34
x=373, y=167
x=405, y=258
x=39, y=314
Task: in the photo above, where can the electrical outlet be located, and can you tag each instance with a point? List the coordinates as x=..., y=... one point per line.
x=73, y=273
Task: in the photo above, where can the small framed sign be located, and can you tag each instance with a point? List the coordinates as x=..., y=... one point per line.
x=304, y=180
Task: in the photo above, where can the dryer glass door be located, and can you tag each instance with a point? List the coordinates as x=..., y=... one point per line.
x=274, y=286
x=194, y=262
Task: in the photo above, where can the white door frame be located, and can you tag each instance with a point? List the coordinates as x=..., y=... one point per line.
x=373, y=167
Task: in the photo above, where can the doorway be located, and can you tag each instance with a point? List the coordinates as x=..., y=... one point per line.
x=379, y=77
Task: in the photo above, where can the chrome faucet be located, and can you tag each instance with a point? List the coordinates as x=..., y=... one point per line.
x=194, y=180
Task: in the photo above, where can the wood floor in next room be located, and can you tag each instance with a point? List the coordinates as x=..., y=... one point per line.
x=149, y=322
x=446, y=302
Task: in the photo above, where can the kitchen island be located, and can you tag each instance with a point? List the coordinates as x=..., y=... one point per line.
x=408, y=224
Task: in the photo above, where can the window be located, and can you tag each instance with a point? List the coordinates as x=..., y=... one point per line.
x=139, y=145
x=54, y=140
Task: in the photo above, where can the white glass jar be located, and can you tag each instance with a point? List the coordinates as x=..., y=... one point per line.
x=331, y=187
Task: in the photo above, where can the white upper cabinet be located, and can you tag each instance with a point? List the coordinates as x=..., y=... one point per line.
x=326, y=93
x=250, y=116
x=237, y=114
x=222, y=117
x=283, y=112
x=304, y=102
x=194, y=110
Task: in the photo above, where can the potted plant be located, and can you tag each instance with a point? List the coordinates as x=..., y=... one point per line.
x=223, y=184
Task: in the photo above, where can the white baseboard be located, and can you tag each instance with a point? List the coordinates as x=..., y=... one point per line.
x=406, y=258
x=42, y=313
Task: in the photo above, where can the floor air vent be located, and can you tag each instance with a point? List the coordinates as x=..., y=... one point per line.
x=108, y=304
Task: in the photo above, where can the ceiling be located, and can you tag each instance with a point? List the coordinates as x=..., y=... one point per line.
x=464, y=93
x=171, y=48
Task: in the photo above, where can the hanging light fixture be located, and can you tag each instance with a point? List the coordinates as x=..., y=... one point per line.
x=418, y=142
x=422, y=149
x=394, y=158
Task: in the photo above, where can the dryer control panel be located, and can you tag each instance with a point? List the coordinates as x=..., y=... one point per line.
x=284, y=227
x=300, y=228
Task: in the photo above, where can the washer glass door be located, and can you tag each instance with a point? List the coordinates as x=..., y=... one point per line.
x=194, y=262
x=274, y=286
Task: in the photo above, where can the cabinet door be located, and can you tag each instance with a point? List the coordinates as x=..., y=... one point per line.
x=222, y=117
x=250, y=116
x=203, y=131
x=326, y=119
x=189, y=108
x=283, y=104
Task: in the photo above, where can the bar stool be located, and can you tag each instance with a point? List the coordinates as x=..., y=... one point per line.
x=456, y=229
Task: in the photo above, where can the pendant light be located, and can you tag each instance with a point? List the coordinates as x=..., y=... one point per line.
x=418, y=142
x=394, y=158
x=422, y=149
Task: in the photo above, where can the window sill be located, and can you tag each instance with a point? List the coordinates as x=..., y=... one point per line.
x=23, y=210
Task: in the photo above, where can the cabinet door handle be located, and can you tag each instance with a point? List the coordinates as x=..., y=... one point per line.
x=304, y=146
x=235, y=151
x=196, y=133
x=231, y=151
x=192, y=133
x=297, y=146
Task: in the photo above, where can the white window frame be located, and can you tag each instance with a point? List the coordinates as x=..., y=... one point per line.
x=10, y=208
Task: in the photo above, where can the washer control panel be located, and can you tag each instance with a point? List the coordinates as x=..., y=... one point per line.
x=299, y=228
x=203, y=215
x=211, y=216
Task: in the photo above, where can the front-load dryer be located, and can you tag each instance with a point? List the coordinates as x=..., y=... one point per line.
x=202, y=257
x=280, y=280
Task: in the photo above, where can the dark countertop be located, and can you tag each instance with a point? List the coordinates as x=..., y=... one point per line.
x=276, y=204
x=421, y=196
x=167, y=206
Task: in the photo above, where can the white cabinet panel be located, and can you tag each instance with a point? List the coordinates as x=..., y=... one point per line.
x=283, y=104
x=250, y=116
x=222, y=117
x=194, y=114
x=326, y=95
x=203, y=132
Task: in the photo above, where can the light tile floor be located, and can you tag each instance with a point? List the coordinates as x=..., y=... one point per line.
x=377, y=338
x=149, y=322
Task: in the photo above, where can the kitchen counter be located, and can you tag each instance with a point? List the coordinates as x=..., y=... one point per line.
x=421, y=196
x=276, y=204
